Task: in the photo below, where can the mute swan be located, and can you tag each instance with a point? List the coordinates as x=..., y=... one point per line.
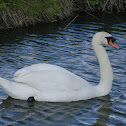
x=45, y=82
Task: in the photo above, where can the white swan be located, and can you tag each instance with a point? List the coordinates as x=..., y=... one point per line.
x=45, y=82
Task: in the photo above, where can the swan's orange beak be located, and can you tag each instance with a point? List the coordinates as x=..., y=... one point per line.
x=113, y=44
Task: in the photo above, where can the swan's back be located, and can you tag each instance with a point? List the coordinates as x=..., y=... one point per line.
x=49, y=77
x=37, y=67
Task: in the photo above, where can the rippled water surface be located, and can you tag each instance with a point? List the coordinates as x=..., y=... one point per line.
x=69, y=48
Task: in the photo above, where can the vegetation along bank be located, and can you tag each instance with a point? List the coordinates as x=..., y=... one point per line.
x=15, y=13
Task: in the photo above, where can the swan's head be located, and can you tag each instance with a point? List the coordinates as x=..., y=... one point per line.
x=104, y=38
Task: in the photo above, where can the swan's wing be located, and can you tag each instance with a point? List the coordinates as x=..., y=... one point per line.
x=53, y=80
x=36, y=67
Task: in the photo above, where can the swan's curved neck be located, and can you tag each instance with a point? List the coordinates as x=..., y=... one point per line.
x=106, y=72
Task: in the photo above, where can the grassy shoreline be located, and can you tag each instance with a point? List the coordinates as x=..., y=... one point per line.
x=15, y=13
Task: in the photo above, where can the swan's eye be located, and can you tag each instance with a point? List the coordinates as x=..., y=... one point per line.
x=110, y=39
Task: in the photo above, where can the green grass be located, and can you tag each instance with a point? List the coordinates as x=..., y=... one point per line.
x=15, y=13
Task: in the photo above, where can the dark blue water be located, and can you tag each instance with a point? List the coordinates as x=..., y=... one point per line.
x=69, y=48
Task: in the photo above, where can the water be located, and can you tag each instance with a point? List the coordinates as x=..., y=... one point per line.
x=69, y=48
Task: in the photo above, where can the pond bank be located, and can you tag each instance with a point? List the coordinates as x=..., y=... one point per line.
x=25, y=12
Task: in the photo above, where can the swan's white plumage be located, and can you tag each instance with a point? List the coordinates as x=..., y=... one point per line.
x=46, y=82
x=51, y=80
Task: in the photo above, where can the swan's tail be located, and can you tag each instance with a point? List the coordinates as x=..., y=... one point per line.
x=5, y=85
x=17, y=90
x=4, y=82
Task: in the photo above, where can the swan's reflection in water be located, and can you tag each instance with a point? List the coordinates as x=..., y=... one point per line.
x=90, y=112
